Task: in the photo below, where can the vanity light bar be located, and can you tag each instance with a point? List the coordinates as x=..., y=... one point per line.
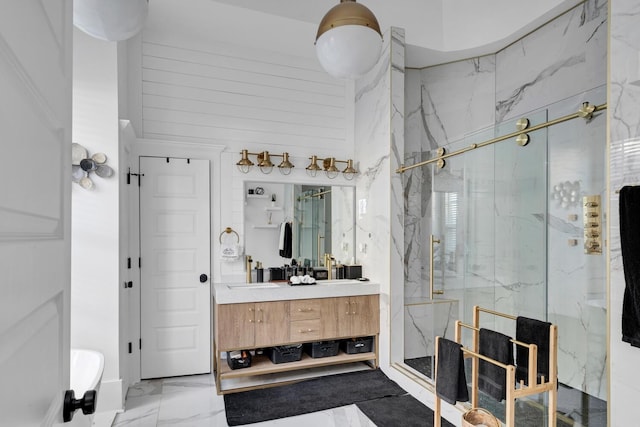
x=263, y=161
x=329, y=167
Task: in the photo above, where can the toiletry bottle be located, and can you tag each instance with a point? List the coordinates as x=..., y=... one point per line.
x=259, y=272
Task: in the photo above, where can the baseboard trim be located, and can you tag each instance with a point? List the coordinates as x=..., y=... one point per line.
x=110, y=396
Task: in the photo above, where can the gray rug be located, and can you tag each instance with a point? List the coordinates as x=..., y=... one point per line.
x=308, y=396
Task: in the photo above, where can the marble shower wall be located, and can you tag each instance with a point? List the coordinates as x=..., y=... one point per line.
x=450, y=105
x=379, y=142
x=624, y=169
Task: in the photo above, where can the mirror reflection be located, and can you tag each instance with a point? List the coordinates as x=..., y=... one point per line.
x=321, y=220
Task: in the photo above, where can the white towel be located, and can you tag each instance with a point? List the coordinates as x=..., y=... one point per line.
x=229, y=252
x=281, y=242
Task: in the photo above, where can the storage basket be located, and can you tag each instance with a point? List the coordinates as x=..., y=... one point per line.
x=479, y=417
x=357, y=345
x=285, y=353
x=322, y=349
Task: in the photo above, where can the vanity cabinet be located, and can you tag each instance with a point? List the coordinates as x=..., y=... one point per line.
x=357, y=315
x=257, y=325
x=251, y=325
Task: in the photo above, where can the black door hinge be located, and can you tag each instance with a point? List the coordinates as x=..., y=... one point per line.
x=130, y=348
x=140, y=344
x=129, y=262
x=139, y=262
x=129, y=174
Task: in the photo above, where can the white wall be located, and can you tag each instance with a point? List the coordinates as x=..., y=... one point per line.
x=624, y=169
x=198, y=90
x=95, y=220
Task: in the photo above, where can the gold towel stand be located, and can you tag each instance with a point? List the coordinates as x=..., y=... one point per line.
x=514, y=390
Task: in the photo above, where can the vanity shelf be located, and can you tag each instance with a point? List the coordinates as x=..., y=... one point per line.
x=261, y=364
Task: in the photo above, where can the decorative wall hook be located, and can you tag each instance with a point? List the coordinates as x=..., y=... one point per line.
x=82, y=165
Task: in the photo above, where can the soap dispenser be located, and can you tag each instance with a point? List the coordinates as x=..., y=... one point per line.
x=259, y=272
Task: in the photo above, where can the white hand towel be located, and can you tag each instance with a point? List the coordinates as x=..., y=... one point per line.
x=281, y=242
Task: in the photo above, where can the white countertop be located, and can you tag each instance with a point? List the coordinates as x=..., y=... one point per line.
x=231, y=293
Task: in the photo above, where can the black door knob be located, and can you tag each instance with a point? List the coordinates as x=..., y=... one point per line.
x=203, y=278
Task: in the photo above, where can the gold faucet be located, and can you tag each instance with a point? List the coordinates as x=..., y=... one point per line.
x=328, y=258
x=248, y=266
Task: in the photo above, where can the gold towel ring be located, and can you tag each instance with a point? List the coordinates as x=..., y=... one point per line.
x=229, y=230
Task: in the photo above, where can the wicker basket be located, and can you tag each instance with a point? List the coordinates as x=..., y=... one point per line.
x=477, y=417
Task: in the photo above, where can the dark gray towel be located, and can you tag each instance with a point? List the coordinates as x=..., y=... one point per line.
x=630, y=245
x=532, y=331
x=451, y=382
x=492, y=379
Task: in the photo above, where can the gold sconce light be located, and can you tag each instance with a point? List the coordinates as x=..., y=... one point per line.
x=313, y=168
x=330, y=168
x=264, y=162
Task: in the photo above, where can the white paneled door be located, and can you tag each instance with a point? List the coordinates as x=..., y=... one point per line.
x=35, y=206
x=175, y=252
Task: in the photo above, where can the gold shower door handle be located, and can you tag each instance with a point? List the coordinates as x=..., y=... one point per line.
x=318, y=246
x=432, y=292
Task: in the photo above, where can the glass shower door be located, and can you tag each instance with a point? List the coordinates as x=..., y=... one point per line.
x=432, y=288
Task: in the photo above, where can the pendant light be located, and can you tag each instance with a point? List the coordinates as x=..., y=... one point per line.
x=110, y=20
x=348, y=41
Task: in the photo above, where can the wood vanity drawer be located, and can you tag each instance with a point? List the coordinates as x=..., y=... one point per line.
x=305, y=330
x=305, y=309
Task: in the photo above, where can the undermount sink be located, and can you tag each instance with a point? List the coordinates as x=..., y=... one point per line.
x=272, y=285
x=253, y=285
x=339, y=282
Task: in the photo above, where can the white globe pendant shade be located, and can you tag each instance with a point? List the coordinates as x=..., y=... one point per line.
x=348, y=43
x=348, y=52
x=111, y=20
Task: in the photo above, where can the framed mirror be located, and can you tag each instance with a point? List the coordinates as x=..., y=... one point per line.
x=321, y=220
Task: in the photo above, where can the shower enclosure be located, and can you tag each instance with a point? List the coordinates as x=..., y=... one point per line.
x=313, y=221
x=503, y=227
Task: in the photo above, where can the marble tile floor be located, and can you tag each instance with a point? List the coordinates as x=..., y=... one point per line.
x=192, y=401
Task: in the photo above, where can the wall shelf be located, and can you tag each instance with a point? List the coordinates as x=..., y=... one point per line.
x=266, y=226
x=258, y=196
x=273, y=208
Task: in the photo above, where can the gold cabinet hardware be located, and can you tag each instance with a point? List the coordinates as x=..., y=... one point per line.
x=305, y=310
x=592, y=214
x=304, y=331
x=592, y=204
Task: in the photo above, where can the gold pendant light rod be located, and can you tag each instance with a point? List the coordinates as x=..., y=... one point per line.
x=585, y=112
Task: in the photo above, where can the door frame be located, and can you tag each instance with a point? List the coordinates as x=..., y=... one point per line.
x=144, y=147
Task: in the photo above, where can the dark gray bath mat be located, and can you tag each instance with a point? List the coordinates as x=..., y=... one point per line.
x=394, y=411
x=307, y=396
